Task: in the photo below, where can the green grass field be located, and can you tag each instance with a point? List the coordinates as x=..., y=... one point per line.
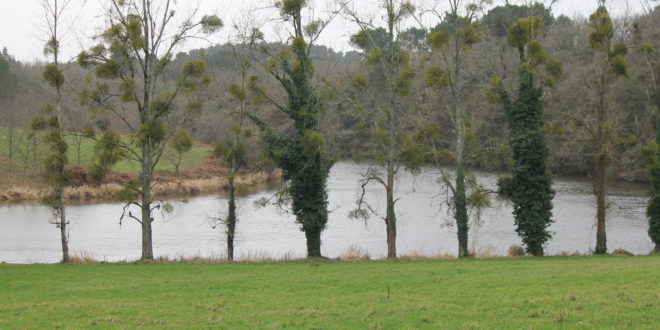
x=553, y=292
x=24, y=147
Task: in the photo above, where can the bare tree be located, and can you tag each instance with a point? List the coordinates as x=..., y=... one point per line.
x=56, y=160
x=234, y=151
x=391, y=75
x=135, y=52
x=452, y=43
x=610, y=64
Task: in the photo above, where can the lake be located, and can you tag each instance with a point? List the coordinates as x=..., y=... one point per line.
x=424, y=224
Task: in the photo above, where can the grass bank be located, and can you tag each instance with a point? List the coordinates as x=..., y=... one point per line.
x=23, y=181
x=29, y=150
x=553, y=292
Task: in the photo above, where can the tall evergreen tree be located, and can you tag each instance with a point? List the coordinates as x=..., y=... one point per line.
x=530, y=186
x=300, y=153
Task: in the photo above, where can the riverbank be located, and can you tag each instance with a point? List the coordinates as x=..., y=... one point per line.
x=551, y=292
x=208, y=177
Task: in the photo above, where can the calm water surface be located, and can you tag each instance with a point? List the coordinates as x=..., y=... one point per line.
x=424, y=224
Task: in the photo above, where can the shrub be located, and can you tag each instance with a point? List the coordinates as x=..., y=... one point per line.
x=516, y=251
x=622, y=252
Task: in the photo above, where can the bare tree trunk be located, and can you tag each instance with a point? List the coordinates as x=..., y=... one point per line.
x=599, y=188
x=654, y=202
x=78, y=147
x=390, y=218
x=147, y=246
x=231, y=217
x=10, y=141
x=460, y=209
x=460, y=198
x=63, y=231
x=61, y=155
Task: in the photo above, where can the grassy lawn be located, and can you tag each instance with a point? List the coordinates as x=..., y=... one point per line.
x=24, y=145
x=553, y=292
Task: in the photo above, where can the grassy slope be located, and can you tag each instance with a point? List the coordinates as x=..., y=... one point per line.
x=585, y=292
x=191, y=159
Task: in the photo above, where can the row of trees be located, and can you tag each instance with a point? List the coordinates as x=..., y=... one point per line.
x=400, y=120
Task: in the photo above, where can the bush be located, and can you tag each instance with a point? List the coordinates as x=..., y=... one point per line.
x=622, y=252
x=516, y=251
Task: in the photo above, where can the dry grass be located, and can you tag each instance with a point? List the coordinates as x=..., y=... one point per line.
x=355, y=253
x=165, y=187
x=87, y=192
x=82, y=257
x=622, y=252
x=488, y=251
x=197, y=259
x=571, y=254
x=19, y=194
x=221, y=258
x=516, y=251
x=421, y=255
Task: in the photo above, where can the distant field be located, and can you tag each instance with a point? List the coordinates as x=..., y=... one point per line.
x=553, y=292
x=25, y=153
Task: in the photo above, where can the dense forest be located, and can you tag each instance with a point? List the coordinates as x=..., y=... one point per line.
x=509, y=87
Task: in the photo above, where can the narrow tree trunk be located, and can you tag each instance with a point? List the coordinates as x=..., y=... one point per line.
x=460, y=198
x=460, y=209
x=78, y=146
x=231, y=218
x=599, y=188
x=653, y=210
x=11, y=145
x=601, y=237
x=34, y=149
x=147, y=245
x=390, y=218
x=63, y=225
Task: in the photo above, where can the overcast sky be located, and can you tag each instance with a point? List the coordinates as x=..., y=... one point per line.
x=22, y=21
